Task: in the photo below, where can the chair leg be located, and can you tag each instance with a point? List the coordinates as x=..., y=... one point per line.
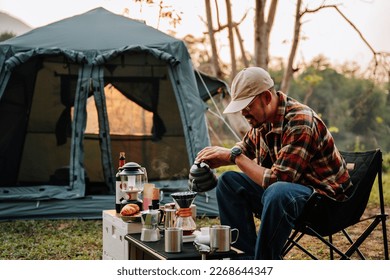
x=381, y=218
x=363, y=236
x=330, y=248
x=383, y=215
x=348, y=237
x=384, y=232
x=291, y=242
x=304, y=250
x=329, y=244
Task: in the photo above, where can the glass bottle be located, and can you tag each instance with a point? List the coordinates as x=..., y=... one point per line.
x=118, y=182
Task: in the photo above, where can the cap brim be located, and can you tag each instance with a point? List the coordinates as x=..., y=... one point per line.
x=237, y=105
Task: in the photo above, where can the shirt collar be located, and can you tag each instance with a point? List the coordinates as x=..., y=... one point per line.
x=277, y=125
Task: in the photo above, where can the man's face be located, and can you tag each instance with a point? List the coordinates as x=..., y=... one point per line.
x=256, y=112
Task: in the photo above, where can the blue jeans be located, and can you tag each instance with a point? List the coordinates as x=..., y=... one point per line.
x=278, y=206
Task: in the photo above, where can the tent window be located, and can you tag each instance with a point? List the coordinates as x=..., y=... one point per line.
x=125, y=117
x=132, y=106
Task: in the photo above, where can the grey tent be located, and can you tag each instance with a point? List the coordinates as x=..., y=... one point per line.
x=75, y=93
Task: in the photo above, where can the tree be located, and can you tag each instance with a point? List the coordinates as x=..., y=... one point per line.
x=216, y=70
x=289, y=70
x=231, y=39
x=379, y=59
x=263, y=27
x=317, y=81
x=164, y=12
x=355, y=109
x=6, y=35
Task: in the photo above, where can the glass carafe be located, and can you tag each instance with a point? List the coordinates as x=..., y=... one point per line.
x=185, y=221
x=184, y=218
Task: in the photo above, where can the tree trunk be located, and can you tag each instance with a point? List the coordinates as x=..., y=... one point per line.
x=231, y=40
x=262, y=32
x=260, y=56
x=308, y=94
x=245, y=61
x=214, y=52
x=289, y=71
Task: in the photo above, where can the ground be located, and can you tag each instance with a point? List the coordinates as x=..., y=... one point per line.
x=82, y=239
x=372, y=248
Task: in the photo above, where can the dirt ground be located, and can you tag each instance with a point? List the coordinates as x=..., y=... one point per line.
x=372, y=248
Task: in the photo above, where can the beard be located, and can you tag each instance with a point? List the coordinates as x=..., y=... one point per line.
x=253, y=122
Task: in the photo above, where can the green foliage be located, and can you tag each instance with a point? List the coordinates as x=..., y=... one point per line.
x=355, y=108
x=6, y=35
x=374, y=197
x=386, y=163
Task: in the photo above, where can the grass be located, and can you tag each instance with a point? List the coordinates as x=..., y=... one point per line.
x=51, y=240
x=82, y=239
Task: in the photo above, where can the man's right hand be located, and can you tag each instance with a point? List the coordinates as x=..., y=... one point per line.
x=214, y=156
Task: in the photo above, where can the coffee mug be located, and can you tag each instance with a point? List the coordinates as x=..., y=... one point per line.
x=173, y=240
x=221, y=238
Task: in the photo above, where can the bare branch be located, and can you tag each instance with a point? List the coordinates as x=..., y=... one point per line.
x=346, y=19
x=234, y=24
x=241, y=45
x=312, y=11
x=289, y=68
x=271, y=15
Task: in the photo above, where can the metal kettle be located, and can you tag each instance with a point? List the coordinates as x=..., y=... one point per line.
x=150, y=231
x=201, y=178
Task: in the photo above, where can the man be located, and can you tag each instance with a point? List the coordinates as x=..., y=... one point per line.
x=287, y=149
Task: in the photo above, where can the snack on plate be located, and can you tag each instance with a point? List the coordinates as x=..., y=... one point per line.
x=130, y=209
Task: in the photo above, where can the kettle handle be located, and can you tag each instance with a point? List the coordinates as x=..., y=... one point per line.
x=145, y=175
x=200, y=163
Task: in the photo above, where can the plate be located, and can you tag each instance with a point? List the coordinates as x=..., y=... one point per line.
x=189, y=238
x=136, y=218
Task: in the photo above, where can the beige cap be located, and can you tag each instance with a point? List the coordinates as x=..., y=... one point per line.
x=248, y=83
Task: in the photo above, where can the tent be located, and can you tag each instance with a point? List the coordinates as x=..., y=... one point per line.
x=77, y=92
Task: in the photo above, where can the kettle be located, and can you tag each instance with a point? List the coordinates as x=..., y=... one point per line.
x=150, y=231
x=201, y=178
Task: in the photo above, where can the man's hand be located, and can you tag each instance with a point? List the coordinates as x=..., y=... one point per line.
x=214, y=156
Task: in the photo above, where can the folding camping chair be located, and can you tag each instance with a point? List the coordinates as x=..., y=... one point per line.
x=324, y=216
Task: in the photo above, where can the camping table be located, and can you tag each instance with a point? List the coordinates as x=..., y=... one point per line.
x=139, y=250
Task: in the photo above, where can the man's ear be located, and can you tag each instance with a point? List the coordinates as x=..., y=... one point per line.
x=267, y=97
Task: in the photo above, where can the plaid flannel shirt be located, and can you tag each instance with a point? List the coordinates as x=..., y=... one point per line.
x=297, y=148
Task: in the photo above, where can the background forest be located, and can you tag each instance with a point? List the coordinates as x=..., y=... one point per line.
x=353, y=102
x=356, y=110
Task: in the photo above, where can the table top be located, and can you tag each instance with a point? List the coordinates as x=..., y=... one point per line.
x=188, y=252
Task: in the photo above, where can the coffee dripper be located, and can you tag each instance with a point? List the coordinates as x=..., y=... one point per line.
x=184, y=220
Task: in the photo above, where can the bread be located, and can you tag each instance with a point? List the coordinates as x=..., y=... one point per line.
x=130, y=209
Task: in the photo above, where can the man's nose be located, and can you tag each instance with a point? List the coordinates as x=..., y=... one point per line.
x=244, y=112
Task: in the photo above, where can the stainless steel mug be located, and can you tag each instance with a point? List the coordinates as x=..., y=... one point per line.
x=221, y=238
x=173, y=240
x=169, y=218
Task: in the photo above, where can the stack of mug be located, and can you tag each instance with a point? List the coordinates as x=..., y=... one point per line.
x=218, y=237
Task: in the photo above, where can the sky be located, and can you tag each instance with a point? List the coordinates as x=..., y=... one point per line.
x=325, y=32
